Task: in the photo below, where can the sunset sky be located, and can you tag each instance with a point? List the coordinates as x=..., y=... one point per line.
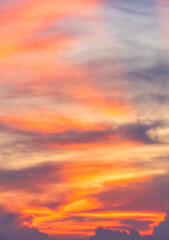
x=84, y=117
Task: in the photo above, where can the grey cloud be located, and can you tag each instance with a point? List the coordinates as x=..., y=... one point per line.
x=11, y=228
x=132, y=6
x=137, y=224
x=132, y=197
x=156, y=73
x=156, y=98
x=161, y=232
x=108, y=234
x=138, y=33
x=149, y=90
x=33, y=179
x=134, y=132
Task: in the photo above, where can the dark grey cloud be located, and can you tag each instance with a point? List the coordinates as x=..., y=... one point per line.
x=111, y=135
x=161, y=232
x=11, y=227
x=156, y=74
x=149, y=89
x=72, y=237
x=108, y=234
x=33, y=179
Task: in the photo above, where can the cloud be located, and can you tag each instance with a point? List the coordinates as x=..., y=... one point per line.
x=16, y=227
x=31, y=179
x=79, y=136
x=131, y=197
x=48, y=50
x=108, y=234
x=135, y=132
x=155, y=73
x=161, y=232
x=132, y=6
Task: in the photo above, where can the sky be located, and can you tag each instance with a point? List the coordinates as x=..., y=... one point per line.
x=84, y=123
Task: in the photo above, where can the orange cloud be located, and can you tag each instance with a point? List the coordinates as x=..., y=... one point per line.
x=91, y=96
x=54, y=223
x=21, y=21
x=83, y=121
x=47, y=122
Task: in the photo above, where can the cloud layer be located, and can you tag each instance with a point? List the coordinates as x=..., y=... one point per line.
x=84, y=124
